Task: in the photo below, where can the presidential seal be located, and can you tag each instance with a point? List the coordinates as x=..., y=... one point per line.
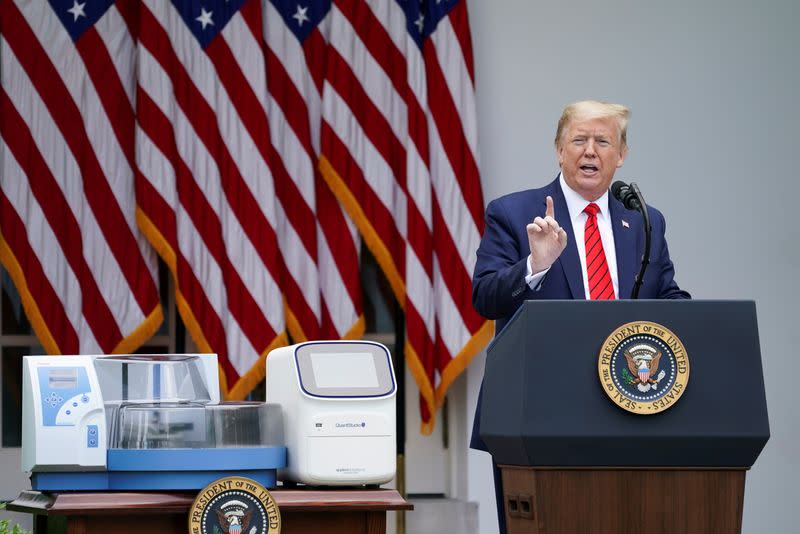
x=234, y=505
x=643, y=367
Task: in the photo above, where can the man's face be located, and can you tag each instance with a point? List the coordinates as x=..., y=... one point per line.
x=589, y=152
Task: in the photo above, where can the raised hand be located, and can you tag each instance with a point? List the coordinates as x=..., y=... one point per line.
x=546, y=239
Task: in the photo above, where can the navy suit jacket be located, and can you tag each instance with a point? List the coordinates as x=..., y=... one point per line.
x=498, y=284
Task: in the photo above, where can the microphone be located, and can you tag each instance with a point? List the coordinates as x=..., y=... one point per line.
x=626, y=194
x=632, y=199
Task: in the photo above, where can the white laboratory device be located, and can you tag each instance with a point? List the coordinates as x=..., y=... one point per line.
x=338, y=400
x=141, y=422
x=69, y=402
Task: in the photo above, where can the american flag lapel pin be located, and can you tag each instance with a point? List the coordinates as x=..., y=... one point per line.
x=625, y=224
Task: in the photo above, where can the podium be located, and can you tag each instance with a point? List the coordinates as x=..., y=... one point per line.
x=574, y=461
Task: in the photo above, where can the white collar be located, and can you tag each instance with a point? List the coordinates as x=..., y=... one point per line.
x=576, y=203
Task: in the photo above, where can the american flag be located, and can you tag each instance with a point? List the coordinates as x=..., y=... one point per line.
x=207, y=186
x=399, y=149
x=70, y=242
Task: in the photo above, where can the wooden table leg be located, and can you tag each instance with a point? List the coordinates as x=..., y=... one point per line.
x=376, y=522
x=77, y=524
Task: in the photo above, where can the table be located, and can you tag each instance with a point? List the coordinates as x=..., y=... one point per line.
x=332, y=511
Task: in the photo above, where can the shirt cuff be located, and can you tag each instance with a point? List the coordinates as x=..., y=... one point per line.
x=534, y=281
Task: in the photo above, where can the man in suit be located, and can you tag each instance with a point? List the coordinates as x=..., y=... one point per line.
x=570, y=239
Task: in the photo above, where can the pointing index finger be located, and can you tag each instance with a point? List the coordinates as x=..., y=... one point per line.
x=549, y=211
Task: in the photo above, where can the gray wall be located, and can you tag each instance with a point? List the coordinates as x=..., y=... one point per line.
x=713, y=90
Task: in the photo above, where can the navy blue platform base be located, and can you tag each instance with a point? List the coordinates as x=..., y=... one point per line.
x=168, y=469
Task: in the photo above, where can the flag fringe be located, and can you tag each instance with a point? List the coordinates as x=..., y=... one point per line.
x=425, y=387
x=143, y=332
x=28, y=302
x=460, y=362
x=357, y=330
x=126, y=345
x=257, y=372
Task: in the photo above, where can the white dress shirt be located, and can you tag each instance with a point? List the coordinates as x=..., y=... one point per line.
x=576, y=204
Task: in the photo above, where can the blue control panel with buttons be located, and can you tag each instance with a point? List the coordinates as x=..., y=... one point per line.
x=65, y=395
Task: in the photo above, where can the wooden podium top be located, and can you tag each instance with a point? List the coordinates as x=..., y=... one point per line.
x=149, y=502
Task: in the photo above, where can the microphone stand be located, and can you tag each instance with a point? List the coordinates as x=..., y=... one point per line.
x=642, y=207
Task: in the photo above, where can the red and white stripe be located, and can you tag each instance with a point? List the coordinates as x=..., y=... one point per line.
x=86, y=275
x=206, y=188
x=329, y=305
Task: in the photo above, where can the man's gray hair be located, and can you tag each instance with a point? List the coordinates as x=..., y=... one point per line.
x=594, y=109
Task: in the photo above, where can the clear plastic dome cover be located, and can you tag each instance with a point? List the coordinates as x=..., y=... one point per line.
x=152, y=378
x=193, y=426
x=162, y=402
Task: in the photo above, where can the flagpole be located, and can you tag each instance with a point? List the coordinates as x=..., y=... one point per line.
x=400, y=374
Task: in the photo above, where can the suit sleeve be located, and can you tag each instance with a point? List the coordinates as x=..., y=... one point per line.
x=667, y=287
x=498, y=283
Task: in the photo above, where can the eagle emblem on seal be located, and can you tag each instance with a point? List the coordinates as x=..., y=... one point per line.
x=234, y=517
x=643, y=363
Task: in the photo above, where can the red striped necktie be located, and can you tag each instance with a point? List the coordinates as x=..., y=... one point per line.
x=600, y=286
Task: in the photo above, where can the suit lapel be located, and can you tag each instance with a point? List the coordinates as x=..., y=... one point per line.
x=569, y=260
x=625, y=243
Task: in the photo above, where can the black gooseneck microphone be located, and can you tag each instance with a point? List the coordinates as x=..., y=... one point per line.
x=632, y=199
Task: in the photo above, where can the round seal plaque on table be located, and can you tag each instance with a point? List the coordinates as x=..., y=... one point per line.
x=234, y=505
